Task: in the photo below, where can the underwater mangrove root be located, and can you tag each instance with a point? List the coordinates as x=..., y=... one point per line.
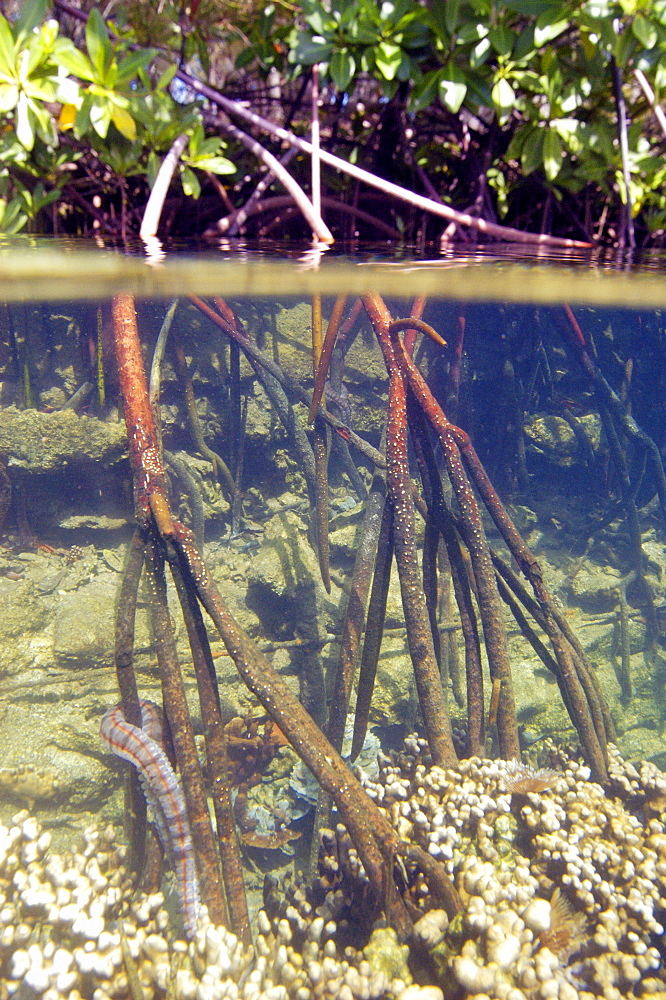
x=258, y=358
x=374, y=628
x=577, y=675
x=155, y=527
x=267, y=376
x=324, y=359
x=220, y=467
x=473, y=534
x=439, y=519
x=320, y=449
x=573, y=337
x=431, y=697
x=216, y=751
x=402, y=369
x=617, y=421
x=376, y=842
x=129, y=699
x=584, y=700
x=367, y=554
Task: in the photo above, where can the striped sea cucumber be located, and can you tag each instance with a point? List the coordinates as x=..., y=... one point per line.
x=163, y=794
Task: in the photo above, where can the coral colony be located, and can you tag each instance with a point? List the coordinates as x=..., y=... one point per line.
x=561, y=893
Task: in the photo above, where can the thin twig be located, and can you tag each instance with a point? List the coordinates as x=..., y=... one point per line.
x=644, y=84
x=233, y=222
x=627, y=232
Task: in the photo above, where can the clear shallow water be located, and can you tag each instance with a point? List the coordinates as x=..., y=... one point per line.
x=542, y=424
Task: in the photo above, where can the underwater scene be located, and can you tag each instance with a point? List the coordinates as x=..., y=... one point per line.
x=333, y=644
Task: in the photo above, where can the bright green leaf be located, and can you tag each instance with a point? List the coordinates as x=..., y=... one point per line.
x=387, y=59
x=452, y=88
x=549, y=25
x=25, y=132
x=7, y=52
x=124, y=122
x=645, y=31
x=190, y=182
x=532, y=154
x=480, y=53
x=74, y=61
x=503, y=95
x=9, y=94
x=216, y=164
x=97, y=40
x=100, y=118
x=552, y=154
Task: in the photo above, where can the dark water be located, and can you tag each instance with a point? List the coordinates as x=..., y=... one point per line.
x=555, y=373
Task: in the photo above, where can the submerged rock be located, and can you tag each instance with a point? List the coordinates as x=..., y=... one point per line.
x=85, y=625
x=45, y=442
x=552, y=437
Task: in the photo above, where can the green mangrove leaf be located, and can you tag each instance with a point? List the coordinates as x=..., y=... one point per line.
x=100, y=117
x=549, y=24
x=532, y=153
x=9, y=94
x=342, y=68
x=552, y=154
x=644, y=31
x=99, y=46
x=25, y=132
x=32, y=13
x=387, y=59
x=190, y=182
x=452, y=88
x=503, y=94
x=70, y=58
x=7, y=51
x=124, y=122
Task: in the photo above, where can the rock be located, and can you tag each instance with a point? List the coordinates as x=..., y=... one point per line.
x=101, y=522
x=284, y=582
x=552, y=437
x=384, y=954
x=45, y=442
x=85, y=625
x=22, y=611
x=594, y=588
